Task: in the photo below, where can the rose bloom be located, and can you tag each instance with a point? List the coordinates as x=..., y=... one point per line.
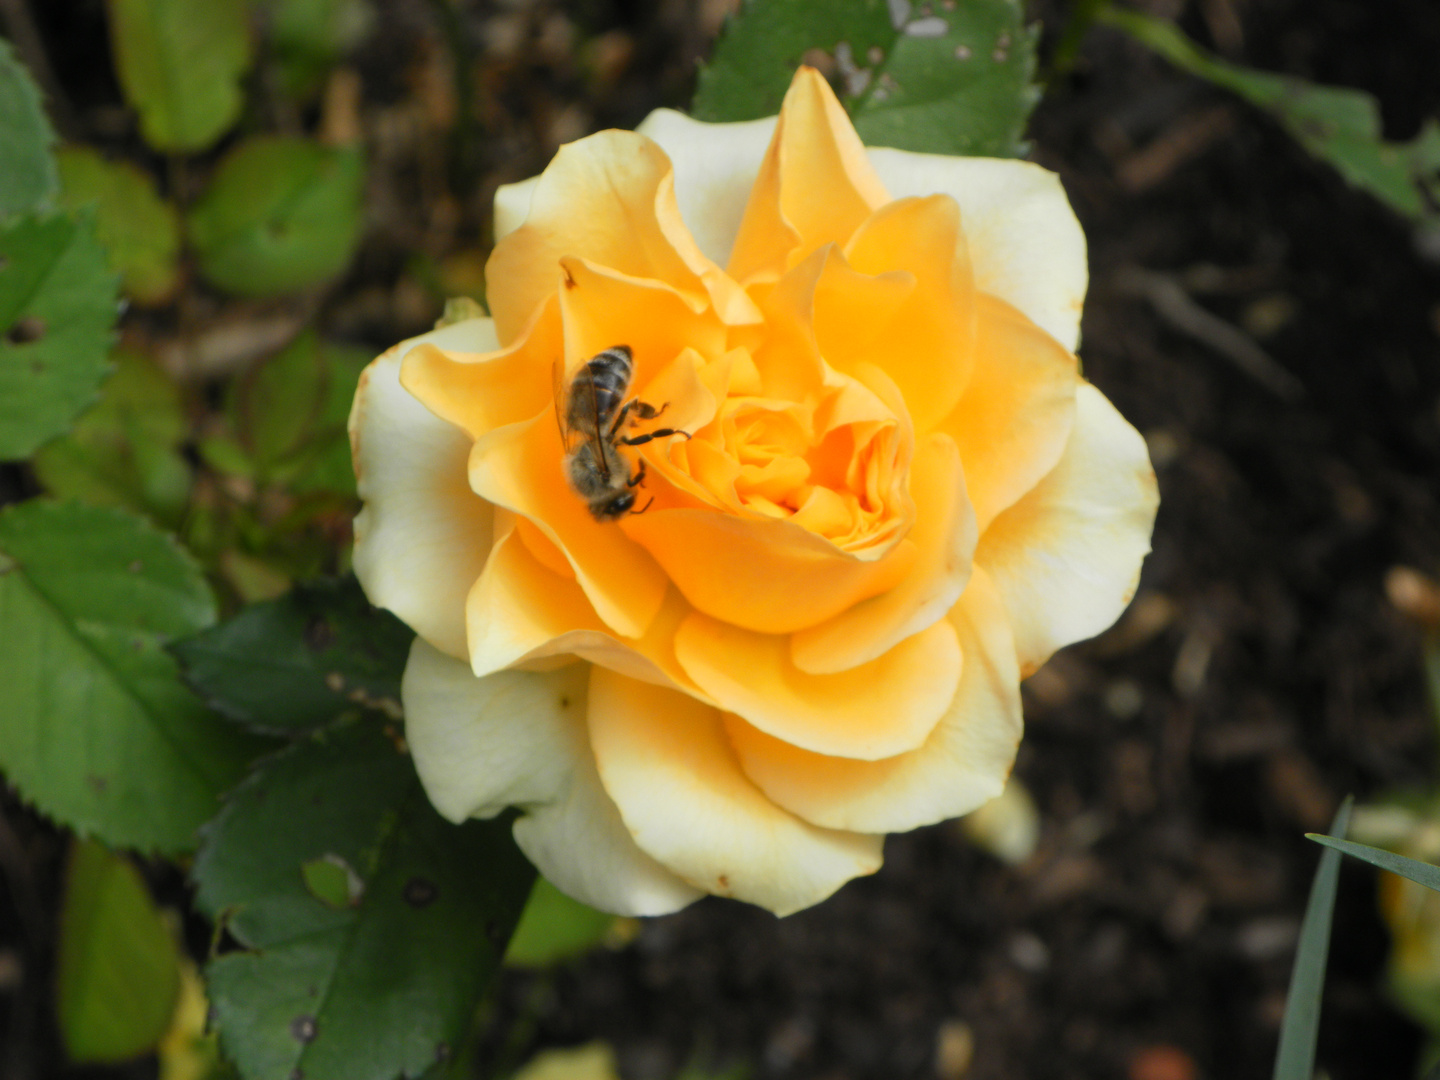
x=898, y=497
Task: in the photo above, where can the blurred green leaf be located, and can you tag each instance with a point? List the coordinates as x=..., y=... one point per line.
x=180, y=64
x=291, y=664
x=139, y=229
x=57, y=306
x=1337, y=125
x=126, y=450
x=593, y=1061
x=280, y=214
x=324, y=462
x=1295, y=1058
x=290, y=414
x=254, y=579
x=26, y=166
x=99, y=733
x=225, y=455
x=1418, y=872
x=554, y=928
x=308, y=36
x=366, y=991
x=955, y=81
x=119, y=973
x=276, y=404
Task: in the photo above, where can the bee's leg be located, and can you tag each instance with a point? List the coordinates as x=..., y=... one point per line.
x=645, y=507
x=621, y=415
x=638, y=480
x=637, y=440
x=645, y=410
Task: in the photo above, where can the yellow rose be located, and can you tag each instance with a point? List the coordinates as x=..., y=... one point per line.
x=889, y=496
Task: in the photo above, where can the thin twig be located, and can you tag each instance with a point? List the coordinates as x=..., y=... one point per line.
x=1173, y=304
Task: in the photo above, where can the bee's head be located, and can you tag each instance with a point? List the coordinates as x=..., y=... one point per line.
x=614, y=508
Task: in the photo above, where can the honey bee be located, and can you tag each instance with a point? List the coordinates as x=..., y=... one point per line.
x=593, y=413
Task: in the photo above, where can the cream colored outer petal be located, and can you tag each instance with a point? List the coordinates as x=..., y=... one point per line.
x=1066, y=557
x=518, y=738
x=665, y=760
x=963, y=763
x=512, y=206
x=422, y=536
x=715, y=166
x=1026, y=245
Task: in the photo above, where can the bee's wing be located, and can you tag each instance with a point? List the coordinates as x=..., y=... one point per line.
x=601, y=458
x=557, y=382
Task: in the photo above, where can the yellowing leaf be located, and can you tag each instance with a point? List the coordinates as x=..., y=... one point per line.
x=119, y=974
x=139, y=230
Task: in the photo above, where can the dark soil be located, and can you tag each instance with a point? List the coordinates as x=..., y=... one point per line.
x=1260, y=676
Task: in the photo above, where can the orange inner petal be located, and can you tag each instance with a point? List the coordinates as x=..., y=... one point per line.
x=875, y=710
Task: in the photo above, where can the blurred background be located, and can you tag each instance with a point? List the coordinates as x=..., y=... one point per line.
x=1273, y=332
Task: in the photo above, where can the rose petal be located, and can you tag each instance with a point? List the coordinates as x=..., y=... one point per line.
x=1013, y=420
x=1066, y=558
x=608, y=198
x=875, y=710
x=422, y=535
x=815, y=185
x=481, y=391
x=771, y=576
x=512, y=205
x=1026, y=246
x=481, y=745
x=521, y=613
x=664, y=759
x=603, y=308
x=518, y=738
x=944, y=536
x=520, y=467
x=925, y=345
x=963, y=763
x=715, y=167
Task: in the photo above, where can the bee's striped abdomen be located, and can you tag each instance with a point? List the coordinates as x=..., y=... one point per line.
x=599, y=388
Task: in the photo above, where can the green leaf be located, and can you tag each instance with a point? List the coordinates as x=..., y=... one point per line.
x=371, y=989
x=953, y=79
x=554, y=928
x=126, y=450
x=291, y=664
x=180, y=64
x=99, y=733
x=1419, y=872
x=308, y=36
x=325, y=464
x=1336, y=124
x=27, y=169
x=291, y=414
x=57, y=305
x=139, y=229
x=119, y=968
x=1295, y=1058
x=280, y=214
x=274, y=407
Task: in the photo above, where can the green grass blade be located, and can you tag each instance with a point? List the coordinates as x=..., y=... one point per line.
x=1418, y=872
x=1295, y=1060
